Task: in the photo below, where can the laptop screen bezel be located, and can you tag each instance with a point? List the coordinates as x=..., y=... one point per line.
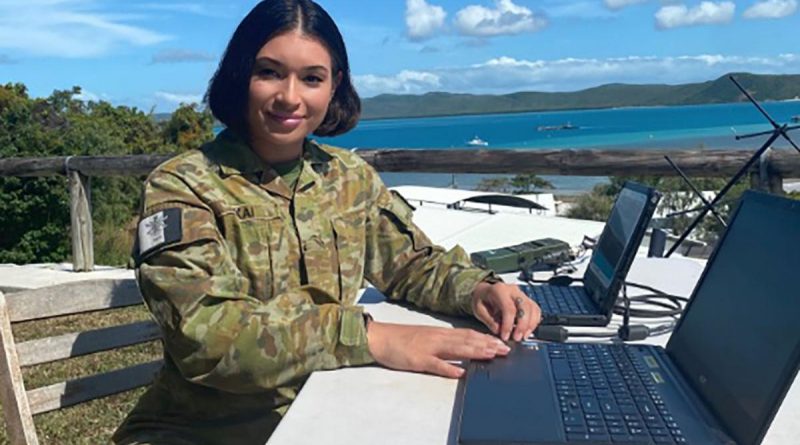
x=787, y=374
x=604, y=297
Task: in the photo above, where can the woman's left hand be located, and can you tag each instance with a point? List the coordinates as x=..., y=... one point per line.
x=504, y=307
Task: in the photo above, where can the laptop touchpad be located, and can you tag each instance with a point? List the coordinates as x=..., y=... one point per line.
x=511, y=399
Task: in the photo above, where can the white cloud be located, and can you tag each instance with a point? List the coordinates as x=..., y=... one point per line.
x=405, y=82
x=68, y=28
x=706, y=13
x=180, y=56
x=176, y=99
x=771, y=9
x=584, y=9
x=423, y=20
x=506, y=74
x=506, y=18
x=191, y=8
x=619, y=4
x=507, y=62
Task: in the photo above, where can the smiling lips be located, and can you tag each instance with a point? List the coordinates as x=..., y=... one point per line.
x=288, y=121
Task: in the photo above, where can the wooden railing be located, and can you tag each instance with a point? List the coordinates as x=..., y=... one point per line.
x=767, y=173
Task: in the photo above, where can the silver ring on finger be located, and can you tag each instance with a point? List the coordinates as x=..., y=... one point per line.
x=520, y=311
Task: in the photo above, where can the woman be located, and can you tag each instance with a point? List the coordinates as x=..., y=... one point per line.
x=251, y=250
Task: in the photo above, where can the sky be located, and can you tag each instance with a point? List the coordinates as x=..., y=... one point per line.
x=154, y=55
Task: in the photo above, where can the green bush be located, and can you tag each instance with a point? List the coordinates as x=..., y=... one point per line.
x=34, y=212
x=677, y=197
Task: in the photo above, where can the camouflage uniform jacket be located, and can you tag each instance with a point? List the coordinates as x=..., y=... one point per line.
x=254, y=285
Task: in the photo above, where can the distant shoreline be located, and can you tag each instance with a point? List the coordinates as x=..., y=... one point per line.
x=553, y=110
x=721, y=91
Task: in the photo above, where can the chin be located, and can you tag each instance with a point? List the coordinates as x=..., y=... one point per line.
x=285, y=138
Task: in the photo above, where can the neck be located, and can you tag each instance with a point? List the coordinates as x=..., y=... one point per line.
x=277, y=154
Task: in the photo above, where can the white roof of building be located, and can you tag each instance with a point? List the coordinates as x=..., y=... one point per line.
x=449, y=197
x=476, y=231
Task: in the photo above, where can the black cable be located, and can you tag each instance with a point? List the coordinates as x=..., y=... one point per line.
x=673, y=304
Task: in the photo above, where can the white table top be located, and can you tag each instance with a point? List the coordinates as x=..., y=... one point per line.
x=373, y=405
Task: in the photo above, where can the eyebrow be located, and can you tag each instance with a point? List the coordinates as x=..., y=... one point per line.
x=263, y=60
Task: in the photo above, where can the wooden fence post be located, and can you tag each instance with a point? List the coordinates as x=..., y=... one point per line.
x=80, y=197
x=767, y=179
x=17, y=412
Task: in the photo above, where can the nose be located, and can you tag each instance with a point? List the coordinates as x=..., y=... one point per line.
x=288, y=95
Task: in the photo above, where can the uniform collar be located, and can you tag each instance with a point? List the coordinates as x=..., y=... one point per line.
x=235, y=157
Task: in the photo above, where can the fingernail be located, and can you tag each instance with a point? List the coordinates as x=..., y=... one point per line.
x=504, y=347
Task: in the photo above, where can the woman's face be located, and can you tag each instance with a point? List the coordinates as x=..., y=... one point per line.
x=290, y=88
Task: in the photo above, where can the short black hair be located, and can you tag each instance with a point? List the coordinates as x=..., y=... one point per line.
x=228, y=90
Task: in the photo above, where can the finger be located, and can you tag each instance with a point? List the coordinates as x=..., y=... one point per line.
x=528, y=315
x=466, y=344
x=509, y=312
x=521, y=317
x=442, y=368
x=482, y=313
x=536, y=318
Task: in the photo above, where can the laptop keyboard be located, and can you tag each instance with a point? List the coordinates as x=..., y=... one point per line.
x=560, y=299
x=607, y=393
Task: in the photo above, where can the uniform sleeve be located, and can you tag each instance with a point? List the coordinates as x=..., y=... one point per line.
x=217, y=334
x=405, y=265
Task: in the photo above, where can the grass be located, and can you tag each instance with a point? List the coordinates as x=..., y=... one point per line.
x=92, y=422
x=113, y=244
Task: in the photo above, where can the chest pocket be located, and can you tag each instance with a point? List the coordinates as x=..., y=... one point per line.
x=254, y=235
x=349, y=236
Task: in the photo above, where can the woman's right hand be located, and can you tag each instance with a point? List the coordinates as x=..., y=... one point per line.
x=428, y=349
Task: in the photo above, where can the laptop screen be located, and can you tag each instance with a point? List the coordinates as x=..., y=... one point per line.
x=622, y=230
x=738, y=342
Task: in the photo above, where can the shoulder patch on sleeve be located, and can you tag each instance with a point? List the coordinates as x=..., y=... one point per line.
x=159, y=229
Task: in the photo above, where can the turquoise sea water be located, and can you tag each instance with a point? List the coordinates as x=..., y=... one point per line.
x=683, y=127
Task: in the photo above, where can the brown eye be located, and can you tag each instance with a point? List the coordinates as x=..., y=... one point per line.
x=267, y=73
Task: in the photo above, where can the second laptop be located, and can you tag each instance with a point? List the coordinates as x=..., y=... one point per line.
x=592, y=303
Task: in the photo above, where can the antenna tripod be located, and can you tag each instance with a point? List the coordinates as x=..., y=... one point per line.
x=777, y=131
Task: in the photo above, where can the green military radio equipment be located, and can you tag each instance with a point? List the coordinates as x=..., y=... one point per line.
x=545, y=253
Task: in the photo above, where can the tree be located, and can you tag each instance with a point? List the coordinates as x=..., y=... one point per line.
x=498, y=184
x=528, y=182
x=188, y=128
x=677, y=197
x=34, y=212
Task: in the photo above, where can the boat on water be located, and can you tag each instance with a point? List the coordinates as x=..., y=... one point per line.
x=567, y=126
x=796, y=119
x=477, y=142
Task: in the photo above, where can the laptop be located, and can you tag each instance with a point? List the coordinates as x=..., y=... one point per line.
x=725, y=371
x=592, y=303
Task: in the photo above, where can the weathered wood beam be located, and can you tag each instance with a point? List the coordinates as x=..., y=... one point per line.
x=707, y=163
x=76, y=344
x=555, y=162
x=134, y=165
x=71, y=392
x=72, y=298
x=16, y=410
x=80, y=198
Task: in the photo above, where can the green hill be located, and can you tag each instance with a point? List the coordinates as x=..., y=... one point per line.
x=722, y=90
